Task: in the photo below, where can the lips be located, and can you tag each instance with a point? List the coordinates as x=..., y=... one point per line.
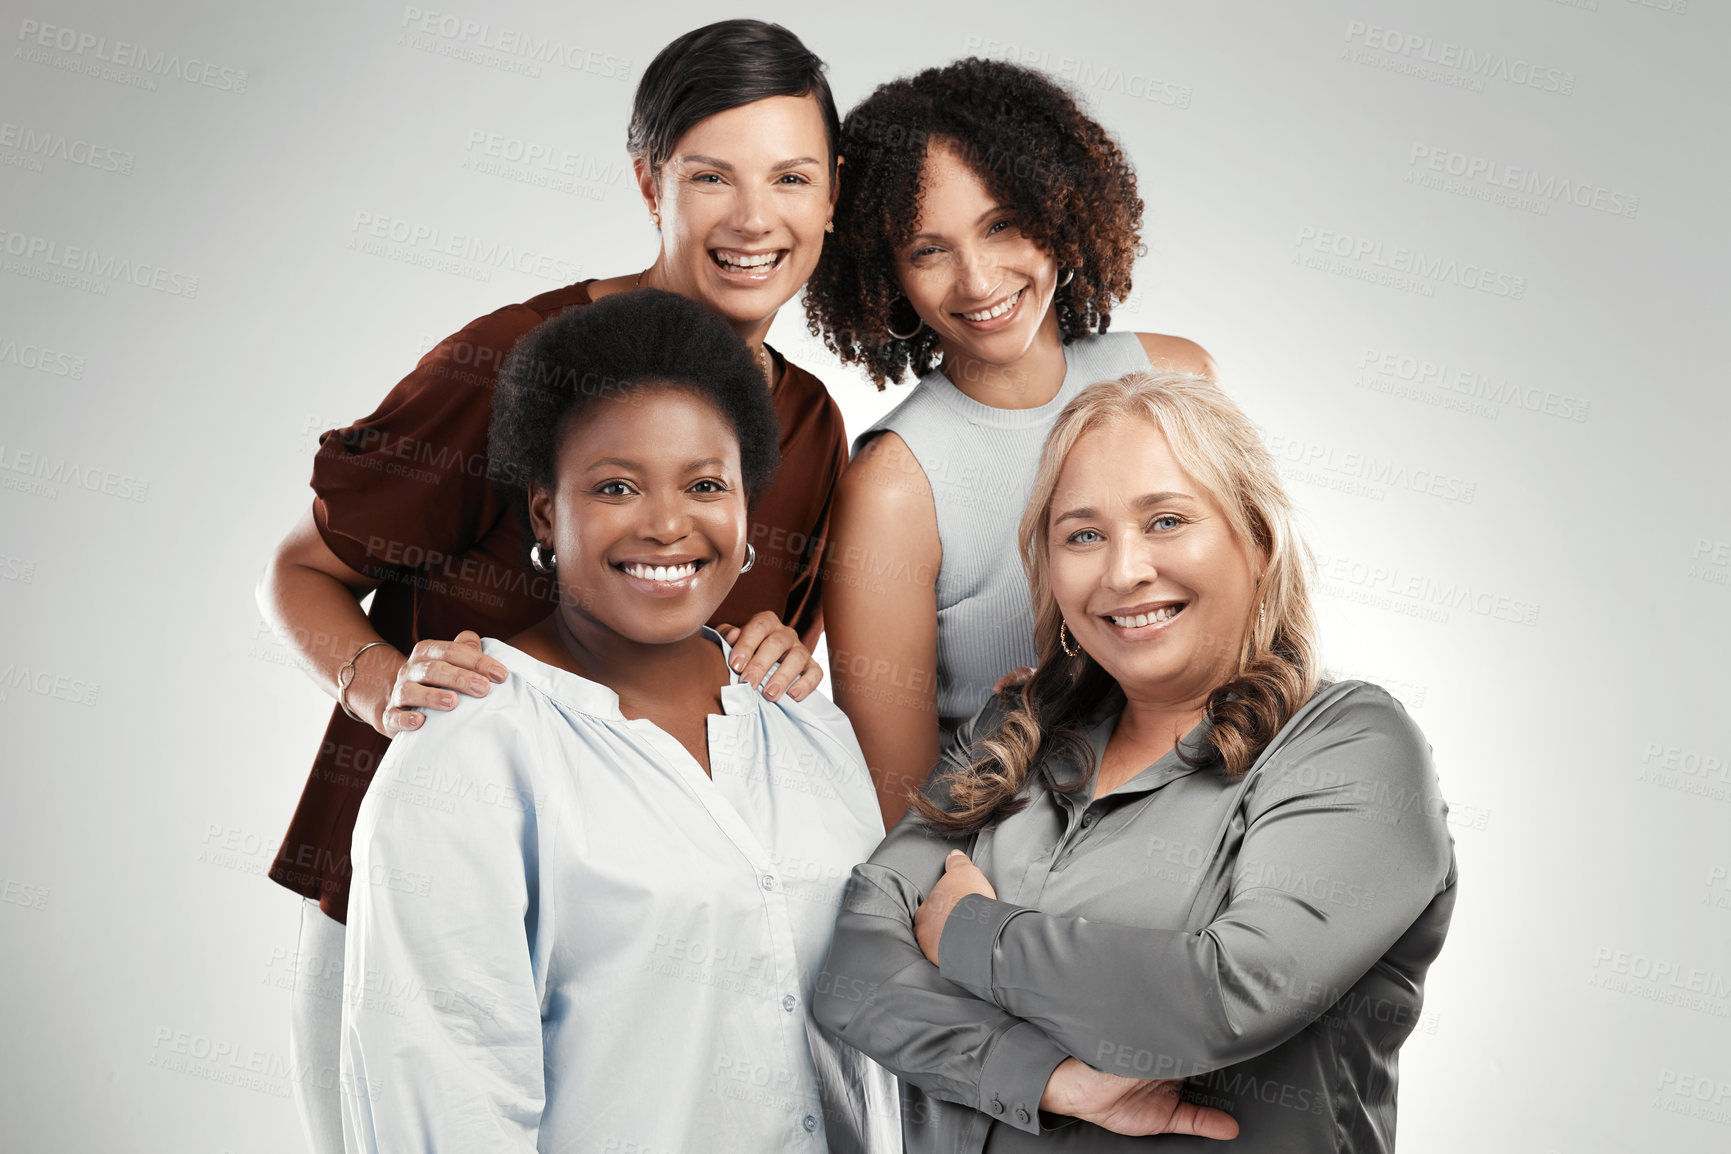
x=740, y=263
x=1148, y=617
x=669, y=576
x=993, y=312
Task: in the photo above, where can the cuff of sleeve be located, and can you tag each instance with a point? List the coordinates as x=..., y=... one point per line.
x=1015, y=1075
x=970, y=934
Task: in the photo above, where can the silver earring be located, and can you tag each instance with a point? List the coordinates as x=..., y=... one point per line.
x=1069, y=275
x=750, y=558
x=542, y=564
x=903, y=336
x=1063, y=630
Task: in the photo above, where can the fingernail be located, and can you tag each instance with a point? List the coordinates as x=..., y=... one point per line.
x=449, y=701
x=412, y=720
x=477, y=687
x=498, y=675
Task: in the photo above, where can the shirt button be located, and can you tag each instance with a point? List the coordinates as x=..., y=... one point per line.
x=788, y=1003
x=1022, y=1115
x=997, y=1105
x=810, y=1124
x=1088, y=819
x=768, y=882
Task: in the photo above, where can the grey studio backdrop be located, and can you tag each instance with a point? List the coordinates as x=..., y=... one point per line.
x=1464, y=262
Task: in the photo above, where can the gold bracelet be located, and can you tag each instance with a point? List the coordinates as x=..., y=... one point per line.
x=346, y=677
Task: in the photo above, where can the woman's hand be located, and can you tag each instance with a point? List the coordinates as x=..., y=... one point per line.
x=431, y=678
x=760, y=644
x=1134, y=1106
x=961, y=878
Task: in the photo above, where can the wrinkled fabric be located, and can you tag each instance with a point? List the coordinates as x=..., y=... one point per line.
x=564, y=936
x=1265, y=938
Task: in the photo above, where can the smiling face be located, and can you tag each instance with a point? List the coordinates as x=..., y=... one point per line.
x=969, y=272
x=743, y=202
x=1146, y=568
x=646, y=516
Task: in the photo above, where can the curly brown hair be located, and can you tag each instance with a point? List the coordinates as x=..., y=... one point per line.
x=1070, y=186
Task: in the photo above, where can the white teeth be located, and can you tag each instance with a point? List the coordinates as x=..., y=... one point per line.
x=756, y=260
x=662, y=572
x=1164, y=613
x=996, y=311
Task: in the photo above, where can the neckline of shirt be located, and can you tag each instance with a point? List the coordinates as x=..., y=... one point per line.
x=981, y=413
x=596, y=700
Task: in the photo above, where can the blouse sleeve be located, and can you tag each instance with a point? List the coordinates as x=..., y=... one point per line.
x=445, y=955
x=408, y=485
x=1352, y=805
x=879, y=993
x=804, y=596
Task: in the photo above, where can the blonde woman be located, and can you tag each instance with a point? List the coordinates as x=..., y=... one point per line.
x=1175, y=873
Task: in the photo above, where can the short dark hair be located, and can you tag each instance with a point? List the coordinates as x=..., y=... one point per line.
x=615, y=351
x=1028, y=140
x=718, y=67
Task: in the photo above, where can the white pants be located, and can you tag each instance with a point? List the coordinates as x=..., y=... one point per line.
x=316, y=1028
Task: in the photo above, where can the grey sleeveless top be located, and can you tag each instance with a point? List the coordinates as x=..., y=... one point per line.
x=980, y=462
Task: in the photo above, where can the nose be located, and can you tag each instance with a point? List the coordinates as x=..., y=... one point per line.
x=1129, y=565
x=665, y=518
x=978, y=274
x=750, y=215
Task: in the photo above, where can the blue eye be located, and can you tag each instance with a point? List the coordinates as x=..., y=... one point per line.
x=1077, y=537
x=1168, y=520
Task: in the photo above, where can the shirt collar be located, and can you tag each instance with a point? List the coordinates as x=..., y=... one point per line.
x=597, y=700
x=1097, y=726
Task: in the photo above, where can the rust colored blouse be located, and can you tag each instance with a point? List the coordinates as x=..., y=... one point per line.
x=404, y=497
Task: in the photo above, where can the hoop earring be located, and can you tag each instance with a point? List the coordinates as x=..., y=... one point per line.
x=1069, y=275
x=750, y=558
x=903, y=336
x=542, y=564
x=1064, y=628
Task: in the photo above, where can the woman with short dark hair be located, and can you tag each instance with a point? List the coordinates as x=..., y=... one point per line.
x=733, y=139
x=985, y=229
x=593, y=907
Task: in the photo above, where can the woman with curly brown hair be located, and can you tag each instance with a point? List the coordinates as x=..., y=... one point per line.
x=985, y=228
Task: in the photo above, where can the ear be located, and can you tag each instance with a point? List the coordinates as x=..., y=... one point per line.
x=835, y=182
x=541, y=512
x=646, y=185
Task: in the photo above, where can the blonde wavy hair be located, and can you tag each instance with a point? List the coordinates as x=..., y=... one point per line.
x=1277, y=668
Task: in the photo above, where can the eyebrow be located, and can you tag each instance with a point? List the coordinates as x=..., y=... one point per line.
x=717, y=162
x=1088, y=512
x=996, y=208
x=621, y=462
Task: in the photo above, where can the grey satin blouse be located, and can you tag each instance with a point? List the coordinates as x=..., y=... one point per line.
x=1265, y=938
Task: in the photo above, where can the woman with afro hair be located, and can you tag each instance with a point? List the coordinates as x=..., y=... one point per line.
x=985, y=228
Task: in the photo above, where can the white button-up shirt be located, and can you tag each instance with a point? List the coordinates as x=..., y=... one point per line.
x=564, y=936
